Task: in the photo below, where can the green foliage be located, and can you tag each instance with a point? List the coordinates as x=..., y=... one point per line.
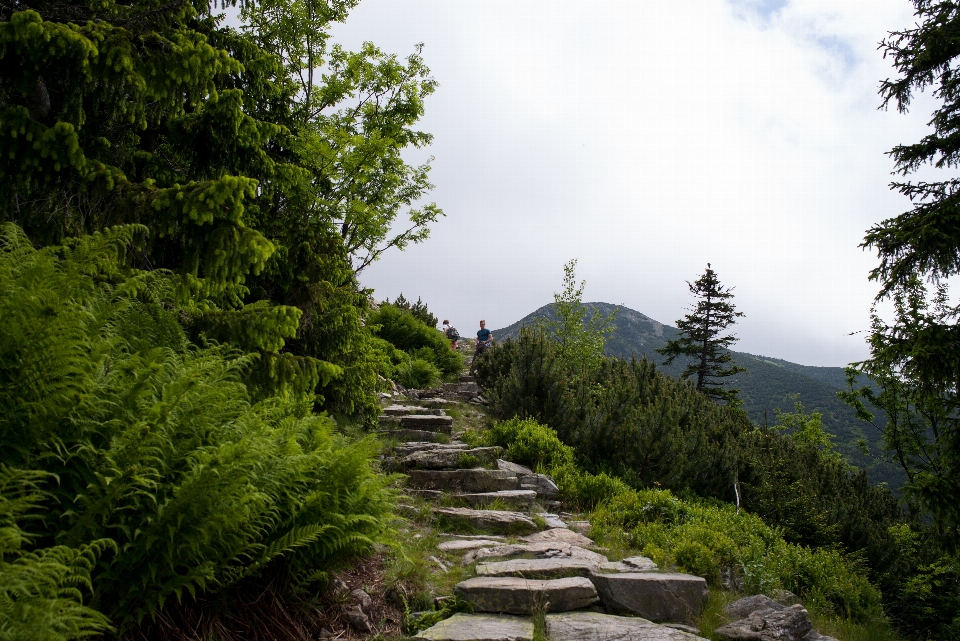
x=705, y=539
x=580, y=341
x=405, y=332
x=418, y=309
x=41, y=590
x=807, y=430
x=530, y=443
x=700, y=340
x=156, y=444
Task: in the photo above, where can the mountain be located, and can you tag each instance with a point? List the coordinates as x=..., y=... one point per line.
x=768, y=384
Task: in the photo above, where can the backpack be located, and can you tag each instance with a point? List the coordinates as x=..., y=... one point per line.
x=452, y=333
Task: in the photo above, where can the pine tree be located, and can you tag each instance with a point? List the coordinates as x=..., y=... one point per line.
x=701, y=341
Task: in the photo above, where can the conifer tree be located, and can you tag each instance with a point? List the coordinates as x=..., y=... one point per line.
x=915, y=358
x=701, y=341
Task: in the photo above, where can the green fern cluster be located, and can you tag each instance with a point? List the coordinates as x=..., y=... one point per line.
x=154, y=447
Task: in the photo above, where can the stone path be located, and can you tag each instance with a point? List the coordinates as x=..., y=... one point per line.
x=528, y=560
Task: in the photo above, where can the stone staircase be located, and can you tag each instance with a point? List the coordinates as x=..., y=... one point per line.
x=529, y=562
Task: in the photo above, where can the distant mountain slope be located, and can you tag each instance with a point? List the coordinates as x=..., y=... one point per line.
x=769, y=383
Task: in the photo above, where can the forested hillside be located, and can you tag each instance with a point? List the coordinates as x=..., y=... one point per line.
x=769, y=384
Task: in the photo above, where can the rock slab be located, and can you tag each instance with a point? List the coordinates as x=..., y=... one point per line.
x=658, y=596
x=489, y=520
x=521, y=596
x=515, y=498
x=591, y=626
x=480, y=627
x=541, y=550
x=472, y=480
x=771, y=624
x=537, y=568
x=559, y=535
x=460, y=545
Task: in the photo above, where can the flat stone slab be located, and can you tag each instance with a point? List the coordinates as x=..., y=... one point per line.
x=440, y=459
x=541, y=484
x=520, y=596
x=658, y=596
x=771, y=624
x=472, y=480
x=591, y=626
x=499, y=521
x=542, y=550
x=480, y=627
x=406, y=449
x=405, y=410
x=556, y=568
x=559, y=535
x=514, y=498
x=632, y=564
x=437, y=403
x=413, y=435
x=460, y=545
x=552, y=520
x=517, y=469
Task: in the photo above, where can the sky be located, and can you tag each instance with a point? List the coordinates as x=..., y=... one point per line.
x=646, y=139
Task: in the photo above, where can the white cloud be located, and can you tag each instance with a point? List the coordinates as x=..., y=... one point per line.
x=648, y=139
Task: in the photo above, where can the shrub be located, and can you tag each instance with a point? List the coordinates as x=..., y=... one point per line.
x=530, y=443
x=416, y=373
x=409, y=334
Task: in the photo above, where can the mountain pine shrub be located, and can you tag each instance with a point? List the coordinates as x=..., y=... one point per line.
x=156, y=444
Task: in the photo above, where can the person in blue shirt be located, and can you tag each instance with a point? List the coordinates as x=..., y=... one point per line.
x=484, y=338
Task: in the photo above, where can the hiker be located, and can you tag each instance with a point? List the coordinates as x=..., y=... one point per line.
x=451, y=333
x=484, y=338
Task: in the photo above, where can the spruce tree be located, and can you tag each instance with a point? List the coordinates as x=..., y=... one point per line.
x=915, y=355
x=701, y=341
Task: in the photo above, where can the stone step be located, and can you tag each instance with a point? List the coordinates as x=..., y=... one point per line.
x=542, y=484
x=465, y=378
x=522, y=596
x=537, y=568
x=543, y=550
x=413, y=435
x=497, y=521
x=433, y=403
x=480, y=627
x=472, y=480
x=461, y=545
x=406, y=449
x=427, y=422
x=559, y=535
x=440, y=459
x=657, y=596
x=521, y=499
x=552, y=520
x=592, y=626
x=632, y=564
x=404, y=410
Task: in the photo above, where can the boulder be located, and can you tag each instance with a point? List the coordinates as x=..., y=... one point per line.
x=772, y=624
x=460, y=545
x=488, y=520
x=592, y=626
x=521, y=596
x=555, y=568
x=515, y=498
x=742, y=608
x=658, y=596
x=559, y=535
x=480, y=627
x=439, y=459
x=542, y=484
x=472, y=480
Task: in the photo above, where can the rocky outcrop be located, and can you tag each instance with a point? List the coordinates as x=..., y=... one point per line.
x=522, y=596
x=657, y=596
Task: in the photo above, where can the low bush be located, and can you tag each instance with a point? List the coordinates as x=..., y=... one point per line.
x=530, y=443
x=407, y=333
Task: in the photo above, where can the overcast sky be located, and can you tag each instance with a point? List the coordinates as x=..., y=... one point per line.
x=646, y=139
